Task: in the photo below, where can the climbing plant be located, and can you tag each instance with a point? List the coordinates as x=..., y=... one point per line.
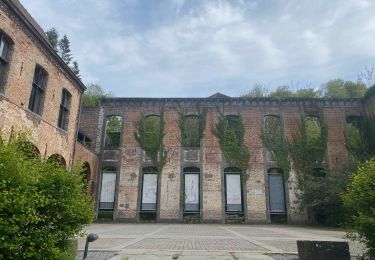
x=273, y=140
x=230, y=132
x=192, y=127
x=149, y=135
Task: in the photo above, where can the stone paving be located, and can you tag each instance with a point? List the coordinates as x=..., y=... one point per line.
x=203, y=241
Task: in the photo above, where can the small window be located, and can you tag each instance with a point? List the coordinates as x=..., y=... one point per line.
x=38, y=90
x=5, y=45
x=64, y=110
x=113, y=132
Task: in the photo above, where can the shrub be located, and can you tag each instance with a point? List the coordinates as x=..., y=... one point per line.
x=41, y=205
x=360, y=198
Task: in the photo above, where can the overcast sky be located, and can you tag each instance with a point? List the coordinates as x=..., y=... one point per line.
x=181, y=48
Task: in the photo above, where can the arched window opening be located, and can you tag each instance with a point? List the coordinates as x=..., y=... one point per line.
x=113, y=132
x=149, y=189
x=5, y=49
x=152, y=129
x=58, y=160
x=191, y=191
x=190, y=136
x=108, y=188
x=63, y=120
x=273, y=129
x=313, y=127
x=233, y=190
x=276, y=191
x=29, y=150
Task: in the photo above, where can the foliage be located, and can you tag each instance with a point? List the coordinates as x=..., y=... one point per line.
x=367, y=76
x=282, y=91
x=149, y=135
x=360, y=198
x=64, y=49
x=113, y=132
x=192, y=128
x=307, y=152
x=230, y=132
x=273, y=140
x=259, y=90
x=339, y=88
x=75, y=69
x=41, y=205
x=93, y=94
x=53, y=37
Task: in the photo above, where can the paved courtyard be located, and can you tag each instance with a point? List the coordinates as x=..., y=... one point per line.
x=200, y=241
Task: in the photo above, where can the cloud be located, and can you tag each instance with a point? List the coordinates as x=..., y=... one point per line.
x=198, y=47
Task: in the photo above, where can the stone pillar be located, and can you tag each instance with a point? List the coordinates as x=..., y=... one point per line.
x=127, y=204
x=211, y=168
x=169, y=193
x=291, y=116
x=255, y=185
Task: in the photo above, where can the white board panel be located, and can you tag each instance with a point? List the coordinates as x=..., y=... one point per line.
x=107, y=193
x=233, y=188
x=150, y=182
x=192, y=188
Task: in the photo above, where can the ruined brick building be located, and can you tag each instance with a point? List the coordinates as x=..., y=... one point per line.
x=39, y=92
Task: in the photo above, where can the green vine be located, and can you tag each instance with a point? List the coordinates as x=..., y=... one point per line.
x=149, y=135
x=192, y=128
x=230, y=132
x=274, y=141
x=307, y=150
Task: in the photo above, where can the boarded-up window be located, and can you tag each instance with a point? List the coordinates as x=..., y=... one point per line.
x=149, y=189
x=233, y=190
x=276, y=191
x=191, y=175
x=113, y=132
x=108, y=188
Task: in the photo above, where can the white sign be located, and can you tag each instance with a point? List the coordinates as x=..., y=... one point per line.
x=107, y=193
x=233, y=189
x=150, y=182
x=192, y=188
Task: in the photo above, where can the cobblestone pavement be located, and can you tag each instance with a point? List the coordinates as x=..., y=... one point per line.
x=201, y=241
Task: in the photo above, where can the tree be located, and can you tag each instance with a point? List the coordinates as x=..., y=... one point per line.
x=42, y=206
x=259, y=90
x=65, y=52
x=367, y=76
x=75, y=69
x=53, y=37
x=339, y=88
x=360, y=199
x=282, y=91
x=93, y=94
x=308, y=93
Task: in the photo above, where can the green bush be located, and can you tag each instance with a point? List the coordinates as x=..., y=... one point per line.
x=41, y=206
x=360, y=199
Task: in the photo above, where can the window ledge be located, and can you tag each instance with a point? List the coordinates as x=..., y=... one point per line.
x=62, y=131
x=35, y=115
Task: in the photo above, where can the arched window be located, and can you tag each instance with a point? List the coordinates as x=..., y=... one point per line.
x=273, y=129
x=5, y=47
x=190, y=131
x=313, y=127
x=353, y=134
x=149, y=189
x=152, y=130
x=108, y=188
x=113, y=132
x=191, y=191
x=233, y=190
x=276, y=191
x=63, y=120
x=58, y=160
x=38, y=90
x=29, y=150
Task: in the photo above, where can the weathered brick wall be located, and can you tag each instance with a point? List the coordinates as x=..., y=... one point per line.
x=88, y=122
x=25, y=54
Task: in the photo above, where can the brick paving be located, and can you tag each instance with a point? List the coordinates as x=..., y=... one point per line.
x=203, y=241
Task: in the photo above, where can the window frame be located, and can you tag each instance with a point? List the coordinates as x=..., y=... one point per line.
x=64, y=112
x=5, y=61
x=38, y=90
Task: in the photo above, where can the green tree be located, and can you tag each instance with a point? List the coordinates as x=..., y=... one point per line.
x=282, y=91
x=64, y=48
x=259, y=90
x=339, y=88
x=53, y=37
x=93, y=94
x=360, y=199
x=42, y=206
x=308, y=93
x=75, y=69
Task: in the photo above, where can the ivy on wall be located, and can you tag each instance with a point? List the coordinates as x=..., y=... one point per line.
x=149, y=135
x=192, y=127
x=230, y=132
x=273, y=140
